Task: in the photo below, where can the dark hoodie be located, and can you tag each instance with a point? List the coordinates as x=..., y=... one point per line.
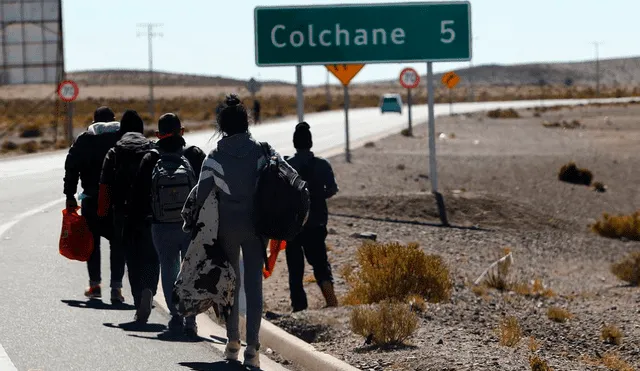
x=121, y=164
x=84, y=161
x=141, y=191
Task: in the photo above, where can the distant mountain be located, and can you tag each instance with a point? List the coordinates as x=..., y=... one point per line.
x=623, y=72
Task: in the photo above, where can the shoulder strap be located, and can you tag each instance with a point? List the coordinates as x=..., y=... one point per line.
x=266, y=149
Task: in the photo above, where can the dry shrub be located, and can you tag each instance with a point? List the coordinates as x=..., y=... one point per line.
x=394, y=272
x=31, y=131
x=369, y=145
x=385, y=324
x=538, y=364
x=417, y=303
x=570, y=173
x=628, y=270
x=480, y=290
x=536, y=289
x=611, y=335
x=503, y=114
x=8, y=146
x=509, y=331
x=610, y=360
x=406, y=133
x=619, y=226
x=30, y=147
x=558, y=314
x=401, y=167
x=309, y=279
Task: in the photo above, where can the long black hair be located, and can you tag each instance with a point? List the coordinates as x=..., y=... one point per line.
x=233, y=118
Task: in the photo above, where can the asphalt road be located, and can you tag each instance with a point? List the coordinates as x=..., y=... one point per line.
x=45, y=323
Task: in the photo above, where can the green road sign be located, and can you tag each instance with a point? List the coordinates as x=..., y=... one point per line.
x=363, y=33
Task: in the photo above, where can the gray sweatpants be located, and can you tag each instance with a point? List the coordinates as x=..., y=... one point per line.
x=253, y=248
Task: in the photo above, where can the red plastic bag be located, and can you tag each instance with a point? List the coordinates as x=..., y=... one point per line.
x=76, y=240
x=275, y=246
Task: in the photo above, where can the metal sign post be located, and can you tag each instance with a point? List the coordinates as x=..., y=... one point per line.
x=345, y=73
x=433, y=169
x=68, y=92
x=299, y=94
x=409, y=79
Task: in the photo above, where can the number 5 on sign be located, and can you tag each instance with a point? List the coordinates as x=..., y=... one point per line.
x=444, y=29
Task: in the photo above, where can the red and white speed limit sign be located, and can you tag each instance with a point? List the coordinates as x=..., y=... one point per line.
x=68, y=91
x=409, y=78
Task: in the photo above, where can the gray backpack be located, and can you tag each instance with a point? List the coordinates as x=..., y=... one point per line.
x=172, y=179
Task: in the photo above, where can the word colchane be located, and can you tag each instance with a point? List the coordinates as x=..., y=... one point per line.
x=281, y=37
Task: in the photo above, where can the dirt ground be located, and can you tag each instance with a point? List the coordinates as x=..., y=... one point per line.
x=499, y=181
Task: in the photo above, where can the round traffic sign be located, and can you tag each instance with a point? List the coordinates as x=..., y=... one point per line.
x=68, y=91
x=409, y=78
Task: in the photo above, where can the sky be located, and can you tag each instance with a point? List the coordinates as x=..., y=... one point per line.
x=214, y=37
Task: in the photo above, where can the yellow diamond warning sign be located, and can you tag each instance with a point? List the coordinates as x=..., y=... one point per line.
x=450, y=79
x=344, y=72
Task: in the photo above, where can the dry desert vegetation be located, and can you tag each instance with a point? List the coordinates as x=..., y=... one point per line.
x=563, y=293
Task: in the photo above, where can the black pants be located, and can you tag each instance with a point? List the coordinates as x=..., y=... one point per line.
x=102, y=227
x=142, y=259
x=310, y=243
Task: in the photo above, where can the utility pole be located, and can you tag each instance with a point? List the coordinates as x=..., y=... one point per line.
x=596, y=44
x=148, y=31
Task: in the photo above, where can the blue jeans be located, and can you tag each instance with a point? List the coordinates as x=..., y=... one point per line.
x=171, y=243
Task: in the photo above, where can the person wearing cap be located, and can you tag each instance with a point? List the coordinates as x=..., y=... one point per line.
x=170, y=241
x=84, y=164
x=310, y=243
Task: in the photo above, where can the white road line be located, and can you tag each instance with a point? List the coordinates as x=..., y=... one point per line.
x=17, y=219
x=5, y=362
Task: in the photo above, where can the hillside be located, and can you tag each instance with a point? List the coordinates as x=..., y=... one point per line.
x=624, y=72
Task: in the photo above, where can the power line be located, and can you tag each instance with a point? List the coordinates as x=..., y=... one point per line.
x=596, y=44
x=149, y=32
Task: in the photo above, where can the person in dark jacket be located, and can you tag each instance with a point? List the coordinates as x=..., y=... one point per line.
x=84, y=163
x=120, y=167
x=170, y=241
x=318, y=174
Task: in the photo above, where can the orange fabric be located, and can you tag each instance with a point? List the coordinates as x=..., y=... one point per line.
x=76, y=240
x=104, y=200
x=275, y=247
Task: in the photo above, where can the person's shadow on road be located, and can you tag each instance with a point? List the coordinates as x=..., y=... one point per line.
x=138, y=327
x=216, y=366
x=97, y=304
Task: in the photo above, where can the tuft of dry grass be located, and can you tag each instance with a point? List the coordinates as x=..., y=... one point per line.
x=538, y=364
x=369, y=145
x=394, y=272
x=401, y=167
x=499, y=278
x=534, y=346
x=570, y=173
x=31, y=130
x=406, y=133
x=509, y=331
x=384, y=324
x=599, y=187
x=558, y=314
x=8, y=146
x=610, y=360
x=611, y=335
x=480, y=290
x=619, y=226
x=309, y=279
x=30, y=147
x=417, y=303
x=509, y=113
x=628, y=269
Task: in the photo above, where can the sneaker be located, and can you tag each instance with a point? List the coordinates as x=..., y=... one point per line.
x=176, y=324
x=116, y=296
x=93, y=292
x=232, y=350
x=252, y=356
x=146, y=303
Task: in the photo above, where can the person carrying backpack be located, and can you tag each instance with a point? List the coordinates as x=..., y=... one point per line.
x=310, y=243
x=84, y=164
x=233, y=170
x=165, y=178
x=118, y=174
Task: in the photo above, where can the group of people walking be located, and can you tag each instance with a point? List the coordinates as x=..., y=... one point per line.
x=133, y=191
